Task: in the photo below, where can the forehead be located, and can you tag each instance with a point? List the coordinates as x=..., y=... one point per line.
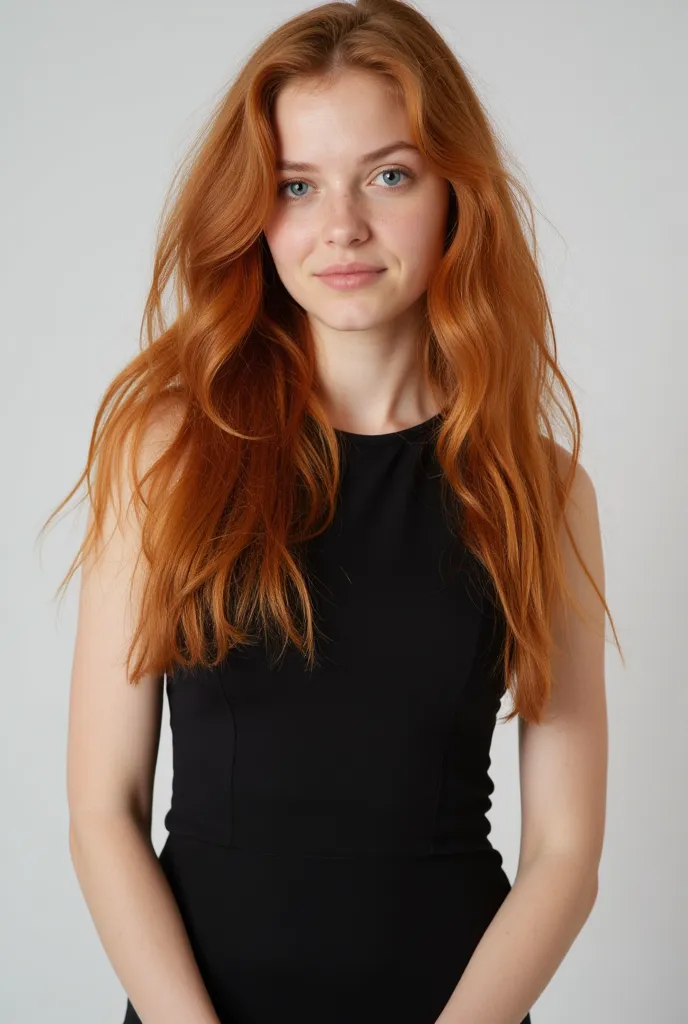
x=351, y=117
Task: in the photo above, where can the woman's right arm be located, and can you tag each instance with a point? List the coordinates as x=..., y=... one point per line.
x=114, y=732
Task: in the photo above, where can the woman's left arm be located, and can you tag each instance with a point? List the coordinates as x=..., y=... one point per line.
x=563, y=779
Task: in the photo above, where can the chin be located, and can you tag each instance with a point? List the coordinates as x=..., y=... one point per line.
x=351, y=319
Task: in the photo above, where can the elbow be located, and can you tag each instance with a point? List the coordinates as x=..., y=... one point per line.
x=85, y=827
x=80, y=830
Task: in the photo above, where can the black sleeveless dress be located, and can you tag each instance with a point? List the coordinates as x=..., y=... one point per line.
x=328, y=840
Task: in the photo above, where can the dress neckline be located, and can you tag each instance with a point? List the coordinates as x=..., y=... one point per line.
x=415, y=432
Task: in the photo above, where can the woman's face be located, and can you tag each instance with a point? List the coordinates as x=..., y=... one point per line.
x=386, y=210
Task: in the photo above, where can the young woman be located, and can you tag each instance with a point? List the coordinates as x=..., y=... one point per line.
x=327, y=508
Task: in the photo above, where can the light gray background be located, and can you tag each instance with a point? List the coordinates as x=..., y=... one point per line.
x=99, y=102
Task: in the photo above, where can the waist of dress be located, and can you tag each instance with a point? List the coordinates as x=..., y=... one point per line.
x=459, y=847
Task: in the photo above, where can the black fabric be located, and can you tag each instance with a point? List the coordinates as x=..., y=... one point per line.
x=328, y=841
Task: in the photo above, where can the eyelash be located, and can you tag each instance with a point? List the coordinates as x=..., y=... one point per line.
x=392, y=188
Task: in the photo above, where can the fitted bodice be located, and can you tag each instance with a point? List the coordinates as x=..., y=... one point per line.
x=384, y=748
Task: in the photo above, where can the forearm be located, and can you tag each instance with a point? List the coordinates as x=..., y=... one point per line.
x=524, y=943
x=138, y=922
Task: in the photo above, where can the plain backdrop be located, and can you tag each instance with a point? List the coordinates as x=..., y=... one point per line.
x=99, y=102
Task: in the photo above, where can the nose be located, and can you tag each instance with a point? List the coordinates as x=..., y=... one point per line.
x=344, y=220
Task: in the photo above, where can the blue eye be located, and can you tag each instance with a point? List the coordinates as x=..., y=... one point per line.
x=287, y=184
x=299, y=181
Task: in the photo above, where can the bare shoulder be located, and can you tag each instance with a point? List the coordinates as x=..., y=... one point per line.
x=164, y=421
x=582, y=541
x=582, y=488
x=159, y=430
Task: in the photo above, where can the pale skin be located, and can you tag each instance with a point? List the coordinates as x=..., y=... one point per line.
x=366, y=342
x=390, y=211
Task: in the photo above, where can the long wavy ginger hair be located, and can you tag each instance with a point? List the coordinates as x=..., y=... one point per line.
x=253, y=467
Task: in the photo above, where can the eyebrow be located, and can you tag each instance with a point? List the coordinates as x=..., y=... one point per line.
x=377, y=154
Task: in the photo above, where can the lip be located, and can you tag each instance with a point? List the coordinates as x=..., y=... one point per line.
x=349, y=268
x=347, y=282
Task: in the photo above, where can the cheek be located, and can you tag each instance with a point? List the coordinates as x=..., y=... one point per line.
x=419, y=244
x=418, y=234
x=288, y=242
